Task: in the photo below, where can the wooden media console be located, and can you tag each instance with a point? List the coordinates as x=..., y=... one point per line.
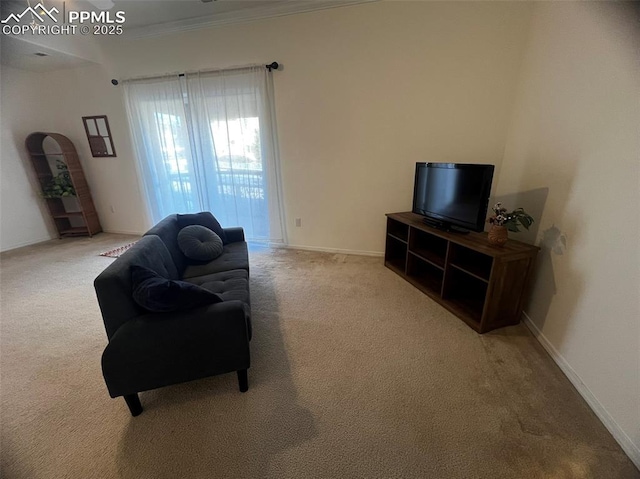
x=482, y=284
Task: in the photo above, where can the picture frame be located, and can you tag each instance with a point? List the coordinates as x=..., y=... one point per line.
x=99, y=136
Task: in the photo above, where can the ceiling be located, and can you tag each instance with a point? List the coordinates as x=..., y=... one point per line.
x=143, y=13
x=144, y=18
x=25, y=55
x=157, y=17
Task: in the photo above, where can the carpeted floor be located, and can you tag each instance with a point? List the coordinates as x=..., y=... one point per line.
x=355, y=374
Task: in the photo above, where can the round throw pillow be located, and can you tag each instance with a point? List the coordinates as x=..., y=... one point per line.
x=199, y=243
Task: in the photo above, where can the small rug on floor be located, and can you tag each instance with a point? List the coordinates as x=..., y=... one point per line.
x=116, y=253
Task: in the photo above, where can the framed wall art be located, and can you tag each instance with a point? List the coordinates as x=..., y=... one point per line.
x=99, y=136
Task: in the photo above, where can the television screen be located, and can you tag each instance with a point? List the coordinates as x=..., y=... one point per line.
x=453, y=194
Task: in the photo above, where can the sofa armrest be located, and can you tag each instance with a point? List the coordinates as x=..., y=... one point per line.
x=234, y=235
x=158, y=349
x=220, y=328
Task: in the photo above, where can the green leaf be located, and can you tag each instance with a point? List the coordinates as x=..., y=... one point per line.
x=525, y=221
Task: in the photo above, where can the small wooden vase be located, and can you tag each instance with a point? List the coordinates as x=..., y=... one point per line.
x=498, y=235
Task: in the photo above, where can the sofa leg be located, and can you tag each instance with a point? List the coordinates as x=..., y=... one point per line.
x=133, y=401
x=243, y=380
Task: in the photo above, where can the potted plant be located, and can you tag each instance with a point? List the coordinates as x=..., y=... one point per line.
x=502, y=222
x=60, y=185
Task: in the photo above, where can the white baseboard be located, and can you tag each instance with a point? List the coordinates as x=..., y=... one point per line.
x=123, y=232
x=28, y=243
x=632, y=450
x=331, y=250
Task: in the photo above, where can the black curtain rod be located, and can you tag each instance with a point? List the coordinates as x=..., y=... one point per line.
x=270, y=66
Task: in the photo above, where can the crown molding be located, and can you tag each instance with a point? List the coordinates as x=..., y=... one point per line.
x=286, y=7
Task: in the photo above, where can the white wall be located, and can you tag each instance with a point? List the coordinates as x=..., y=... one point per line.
x=57, y=101
x=23, y=216
x=366, y=91
x=574, y=142
x=87, y=91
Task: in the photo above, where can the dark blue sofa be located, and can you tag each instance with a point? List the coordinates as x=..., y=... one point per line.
x=150, y=350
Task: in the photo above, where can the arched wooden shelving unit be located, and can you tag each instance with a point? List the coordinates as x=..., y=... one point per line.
x=68, y=221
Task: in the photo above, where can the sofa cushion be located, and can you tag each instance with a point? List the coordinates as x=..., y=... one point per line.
x=199, y=243
x=168, y=230
x=228, y=285
x=203, y=218
x=157, y=294
x=234, y=256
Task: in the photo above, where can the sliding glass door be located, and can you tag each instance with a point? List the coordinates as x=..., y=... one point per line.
x=206, y=141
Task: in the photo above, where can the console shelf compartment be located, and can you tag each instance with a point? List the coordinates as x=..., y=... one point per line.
x=398, y=230
x=482, y=284
x=466, y=294
x=471, y=261
x=431, y=248
x=395, y=255
x=424, y=275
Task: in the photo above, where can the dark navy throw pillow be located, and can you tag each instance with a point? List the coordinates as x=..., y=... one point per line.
x=160, y=295
x=203, y=218
x=199, y=243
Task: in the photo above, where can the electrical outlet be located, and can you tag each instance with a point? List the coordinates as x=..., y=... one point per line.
x=113, y=210
x=298, y=222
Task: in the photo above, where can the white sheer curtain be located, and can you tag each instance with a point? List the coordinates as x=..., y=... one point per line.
x=207, y=141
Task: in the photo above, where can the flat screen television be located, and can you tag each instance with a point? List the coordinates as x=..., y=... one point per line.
x=453, y=196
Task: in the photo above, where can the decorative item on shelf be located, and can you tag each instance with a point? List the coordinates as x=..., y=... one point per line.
x=498, y=235
x=502, y=222
x=60, y=185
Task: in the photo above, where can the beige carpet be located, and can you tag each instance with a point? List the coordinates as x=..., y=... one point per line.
x=355, y=374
